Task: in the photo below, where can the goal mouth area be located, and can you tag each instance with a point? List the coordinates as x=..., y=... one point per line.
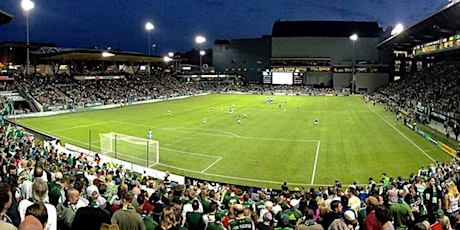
x=141, y=151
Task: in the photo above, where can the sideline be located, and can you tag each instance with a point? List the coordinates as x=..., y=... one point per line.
x=314, y=166
x=402, y=134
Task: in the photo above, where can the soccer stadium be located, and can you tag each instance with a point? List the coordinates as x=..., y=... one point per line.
x=322, y=124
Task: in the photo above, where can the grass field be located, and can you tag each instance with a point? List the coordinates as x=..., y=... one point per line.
x=352, y=141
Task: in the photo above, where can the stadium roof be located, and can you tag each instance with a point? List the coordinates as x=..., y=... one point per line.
x=325, y=29
x=441, y=24
x=89, y=54
x=5, y=17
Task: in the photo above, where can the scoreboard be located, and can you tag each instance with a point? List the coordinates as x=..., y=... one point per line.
x=298, y=78
x=282, y=78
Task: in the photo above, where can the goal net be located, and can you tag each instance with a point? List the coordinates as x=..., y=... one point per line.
x=137, y=150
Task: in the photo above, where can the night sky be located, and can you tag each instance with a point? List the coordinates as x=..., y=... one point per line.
x=121, y=23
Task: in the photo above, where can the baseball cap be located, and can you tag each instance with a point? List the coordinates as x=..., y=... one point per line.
x=92, y=191
x=440, y=212
x=349, y=216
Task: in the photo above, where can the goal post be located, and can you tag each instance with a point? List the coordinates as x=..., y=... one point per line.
x=137, y=150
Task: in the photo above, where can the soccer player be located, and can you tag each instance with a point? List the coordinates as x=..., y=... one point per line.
x=279, y=105
x=150, y=134
x=238, y=119
x=211, y=109
x=298, y=108
x=316, y=121
x=204, y=120
x=169, y=112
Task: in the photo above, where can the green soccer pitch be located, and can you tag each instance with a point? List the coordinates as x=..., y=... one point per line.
x=273, y=144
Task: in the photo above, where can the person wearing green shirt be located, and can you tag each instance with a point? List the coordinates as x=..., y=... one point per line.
x=241, y=222
x=401, y=212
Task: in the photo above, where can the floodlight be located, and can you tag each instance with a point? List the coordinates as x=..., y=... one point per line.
x=398, y=29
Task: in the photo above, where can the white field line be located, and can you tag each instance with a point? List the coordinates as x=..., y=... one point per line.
x=190, y=153
x=402, y=134
x=57, y=135
x=220, y=131
x=80, y=126
x=215, y=162
x=238, y=178
x=232, y=135
x=199, y=172
x=314, y=166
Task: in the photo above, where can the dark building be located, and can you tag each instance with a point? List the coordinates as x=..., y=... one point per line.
x=318, y=53
x=247, y=57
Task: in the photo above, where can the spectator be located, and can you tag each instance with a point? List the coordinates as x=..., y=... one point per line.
x=39, y=195
x=194, y=219
x=38, y=210
x=168, y=220
x=432, y=199
x=5, y=203
x=90, y=218
x=66, y=210
x=401, y=213
x=370, y=220
x=451, y=202
x=308, y=222
x=348, y=219
x=382, y=214
x=336, y=209
x=127, y=218
x=240, y=222
x=31, y=223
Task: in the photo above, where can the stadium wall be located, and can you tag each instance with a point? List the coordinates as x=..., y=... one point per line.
x=341, y=80
x=339, y=49
x=318, y=78
x=369, y=82
x=248, y=57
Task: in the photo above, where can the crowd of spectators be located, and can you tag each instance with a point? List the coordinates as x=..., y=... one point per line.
x=42, y=188
x=436, y=86
x=63, y=90
x=60, y=90
x=41, y=89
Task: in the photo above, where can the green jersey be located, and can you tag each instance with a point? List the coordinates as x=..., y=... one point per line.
x=244, y=223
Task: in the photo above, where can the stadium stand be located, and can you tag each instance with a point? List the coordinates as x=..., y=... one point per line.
x=436, y=86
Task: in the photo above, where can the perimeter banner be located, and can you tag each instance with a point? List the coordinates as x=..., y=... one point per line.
x=448, y=150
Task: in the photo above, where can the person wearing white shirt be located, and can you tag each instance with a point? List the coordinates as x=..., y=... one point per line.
x=26, y=188
x=39, y=194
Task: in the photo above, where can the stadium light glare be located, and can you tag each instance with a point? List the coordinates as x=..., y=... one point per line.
x=200, y=39
x=170, y=54
x=167, y=59
x=149, y=27
x=107, y=54
x=398, y=29
x=354, y=37
x=27, y=5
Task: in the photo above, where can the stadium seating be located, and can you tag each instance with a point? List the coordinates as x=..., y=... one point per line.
x=82, y=189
